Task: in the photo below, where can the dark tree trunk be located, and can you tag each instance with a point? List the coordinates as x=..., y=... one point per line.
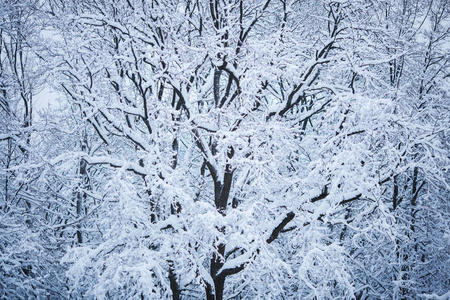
x=173, y=282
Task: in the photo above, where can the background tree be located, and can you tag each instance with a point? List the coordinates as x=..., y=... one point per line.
x=28, y=246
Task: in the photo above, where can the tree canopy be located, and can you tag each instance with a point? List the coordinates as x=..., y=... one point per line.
x=225, y=149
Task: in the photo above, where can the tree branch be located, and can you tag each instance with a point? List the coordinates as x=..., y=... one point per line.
x=322, y=195
x=290, y=215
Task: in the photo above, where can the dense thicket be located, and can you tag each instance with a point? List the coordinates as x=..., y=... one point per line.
x=225, y=149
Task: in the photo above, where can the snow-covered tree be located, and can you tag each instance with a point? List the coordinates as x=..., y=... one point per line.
x=28, y=245
x=245, y=149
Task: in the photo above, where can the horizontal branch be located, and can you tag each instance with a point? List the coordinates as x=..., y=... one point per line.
x=103, y=160
x=4, y=137
x=351, y=199
x=116, y=163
